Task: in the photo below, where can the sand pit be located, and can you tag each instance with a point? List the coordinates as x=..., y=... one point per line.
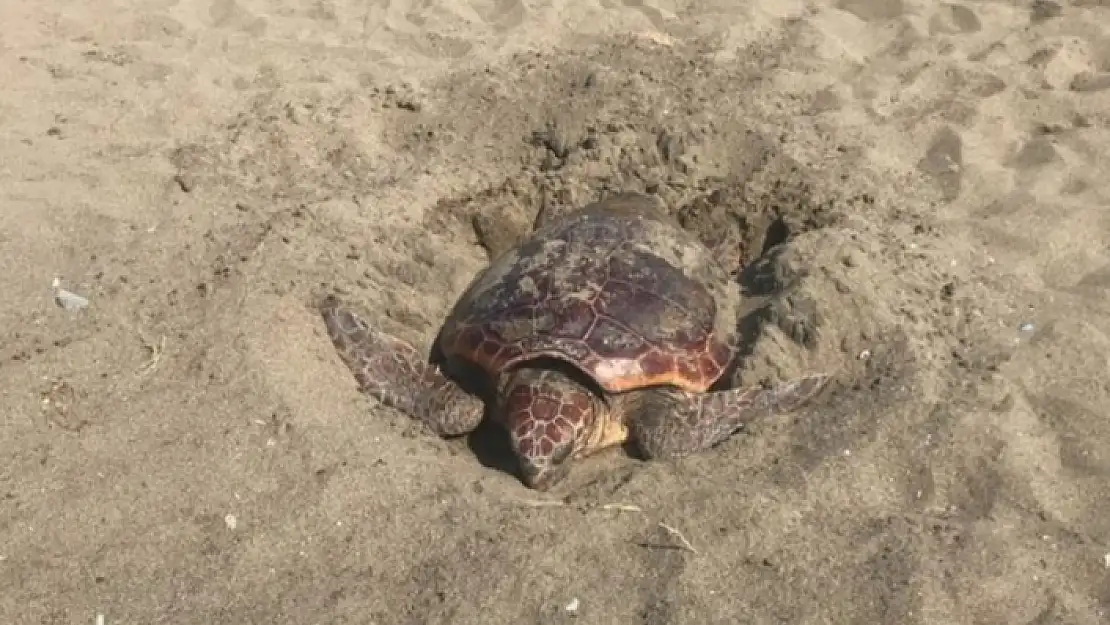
x=914, y=195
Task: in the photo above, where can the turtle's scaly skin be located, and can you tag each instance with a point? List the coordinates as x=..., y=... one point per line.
x=672, y=425
x=612, y=322
x=394, y=373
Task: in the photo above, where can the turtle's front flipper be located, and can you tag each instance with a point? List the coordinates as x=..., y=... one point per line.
x=670, y=424
x=393, y=372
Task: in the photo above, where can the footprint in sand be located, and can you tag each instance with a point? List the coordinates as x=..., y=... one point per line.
x=944, y=161
x=873, y=10
x=229, y=14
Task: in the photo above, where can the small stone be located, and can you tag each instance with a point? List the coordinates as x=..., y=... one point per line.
x=66, y=299
x=70, y=301
x=1026, y=327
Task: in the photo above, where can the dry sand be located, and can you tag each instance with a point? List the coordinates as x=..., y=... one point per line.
x=189, y=449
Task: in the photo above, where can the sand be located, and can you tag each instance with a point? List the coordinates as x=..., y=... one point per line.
x=917, y=191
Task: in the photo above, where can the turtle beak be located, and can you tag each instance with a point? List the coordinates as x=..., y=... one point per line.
x=542, y=478
x=548, y=472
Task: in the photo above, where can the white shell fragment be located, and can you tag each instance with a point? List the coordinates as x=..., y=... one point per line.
x=67, y=299
x=572, y=606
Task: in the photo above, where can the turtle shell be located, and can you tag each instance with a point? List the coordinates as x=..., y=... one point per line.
x=616, y=288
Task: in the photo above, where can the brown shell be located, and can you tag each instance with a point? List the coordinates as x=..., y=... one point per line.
x=617, y=288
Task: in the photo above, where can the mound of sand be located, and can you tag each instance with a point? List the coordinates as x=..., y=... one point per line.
x=913, y=195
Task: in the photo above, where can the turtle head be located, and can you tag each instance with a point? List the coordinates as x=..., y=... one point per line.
x=552, y=418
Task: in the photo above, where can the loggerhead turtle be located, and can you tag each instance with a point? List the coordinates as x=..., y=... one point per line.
x=608, y=324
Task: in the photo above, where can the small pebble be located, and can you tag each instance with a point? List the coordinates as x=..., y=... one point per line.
x=1026, y=327
x=231, y=522
x=70, y=301
x=67, y=299
x=572, y=606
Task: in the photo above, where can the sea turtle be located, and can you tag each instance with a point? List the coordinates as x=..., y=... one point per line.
x=606, y=324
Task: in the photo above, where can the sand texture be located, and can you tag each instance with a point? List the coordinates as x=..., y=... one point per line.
x=915, y=195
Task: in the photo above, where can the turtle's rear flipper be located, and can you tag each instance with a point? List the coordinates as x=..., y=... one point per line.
x=394, y=373
x=668, y=424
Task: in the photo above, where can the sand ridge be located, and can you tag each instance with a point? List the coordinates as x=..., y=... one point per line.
x=189, y=447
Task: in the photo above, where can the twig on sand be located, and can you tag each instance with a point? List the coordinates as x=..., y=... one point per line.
x=543, y=503
x=678, y=535
x=623, y=507
x=684, y=543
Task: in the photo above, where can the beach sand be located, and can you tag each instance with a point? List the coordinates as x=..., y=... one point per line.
x=920, y=190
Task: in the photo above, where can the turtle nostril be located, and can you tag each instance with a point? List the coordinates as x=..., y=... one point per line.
x=561, y=454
